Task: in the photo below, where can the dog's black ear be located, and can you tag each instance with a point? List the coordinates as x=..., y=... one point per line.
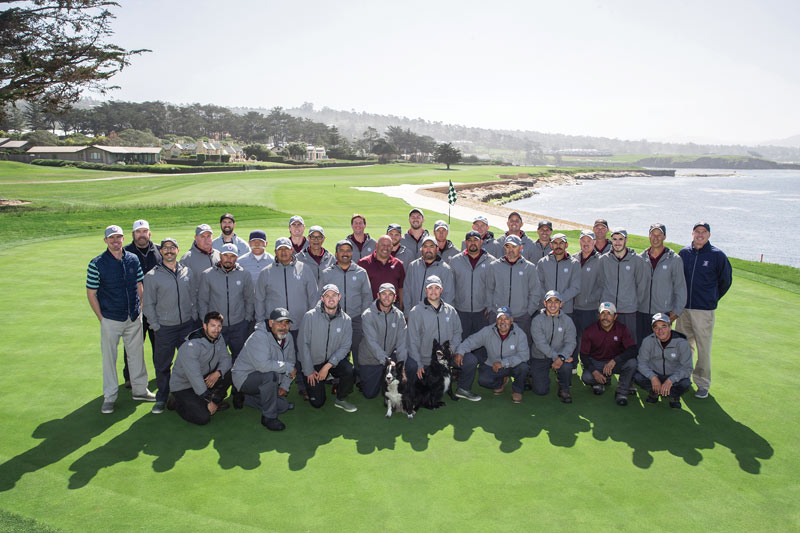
x=446, y=346
x=399, y=366
x=436, y=345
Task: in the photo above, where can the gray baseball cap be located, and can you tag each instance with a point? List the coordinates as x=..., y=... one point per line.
x=658, y=225
x=513, y=239
x=165, y=240
x=279, y=314
x=344, y=242
x=416, y=210
x=113, y=230
x=282, y=242
x=607, y=306
x=229, y=248
x=621, y=231
x=391, y=227
x=659, y=317
x=433, y=280
x=387, y=287
x=553, y=294
x=559, y=236
x=295, y=219
x=545, y=223
x=440, y=224
x=330, y=287
x=587, y=233
x=318, y=229
x=480, y=218
x=202, y=228
x=427, y=238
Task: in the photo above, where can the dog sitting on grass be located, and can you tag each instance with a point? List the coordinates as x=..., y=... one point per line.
x=429, y=391
x=397, y=394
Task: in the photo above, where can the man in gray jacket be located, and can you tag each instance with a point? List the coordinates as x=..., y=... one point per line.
x=559, y=271
x=445, y=247
x=325, y=337
x=353, y=283
x=429, y=264
x=584, y=311
x=433, y=319
x=514, y=224
x=363, y=245
x=542, y=245
x=265, y=368
x=664, y=363
x=200, y=257
x=553, y=345
x=226, y=225
x=667, y=288
x=201, y=375
x=227, y=288
x=413, y=237
x=625, y=279
x=507, y=355
x=167, y=303
x=286, y=283
x=400, y=250
x=470, y=278
x=257, y=259
x=514, y=283
x=315, y=256
x=384, y=338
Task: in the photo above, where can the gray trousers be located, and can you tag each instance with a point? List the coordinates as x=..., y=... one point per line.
x=131, y=333
x=263, y=386
x=494, y=380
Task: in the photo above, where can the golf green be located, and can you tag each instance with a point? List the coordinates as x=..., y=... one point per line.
x=728, y=462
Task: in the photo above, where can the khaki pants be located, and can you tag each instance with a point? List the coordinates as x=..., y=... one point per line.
x=131, y=333
x=698, y=325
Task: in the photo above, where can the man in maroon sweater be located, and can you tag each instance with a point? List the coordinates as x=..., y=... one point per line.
x=607, y=348
x=382, y=268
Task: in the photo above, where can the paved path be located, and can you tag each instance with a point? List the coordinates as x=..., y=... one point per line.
x=497, y=215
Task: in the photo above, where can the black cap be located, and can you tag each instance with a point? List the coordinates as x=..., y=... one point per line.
x=473, y=233
x=258, y=234
x=227, y=215
x=279, y=314
x=546, y=223
x=704, y=224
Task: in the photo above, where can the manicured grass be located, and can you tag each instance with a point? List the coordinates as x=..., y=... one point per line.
x=725, y=463
x=13, y=172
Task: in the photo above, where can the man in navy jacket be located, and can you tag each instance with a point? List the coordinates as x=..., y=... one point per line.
x=708, y=277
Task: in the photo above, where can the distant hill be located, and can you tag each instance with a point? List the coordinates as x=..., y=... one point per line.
x=788, y=142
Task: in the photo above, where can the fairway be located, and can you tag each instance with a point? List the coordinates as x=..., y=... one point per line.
x=726, y=463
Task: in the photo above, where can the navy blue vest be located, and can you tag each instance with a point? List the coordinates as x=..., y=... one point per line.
x=117, y=294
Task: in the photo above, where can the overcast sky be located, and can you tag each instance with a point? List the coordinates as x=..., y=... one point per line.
x=710, y=71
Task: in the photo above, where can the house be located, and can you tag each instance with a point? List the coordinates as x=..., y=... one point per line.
x=13, y=145
x=107, y=155
x=315, y=153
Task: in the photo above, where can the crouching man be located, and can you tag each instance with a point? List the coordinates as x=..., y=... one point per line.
x=201, y=375
x=264, y=369
x=506, y=355
x=607, y=347
x=325, y=337
x=384, y=337
x=554, y=341
x=664, y=363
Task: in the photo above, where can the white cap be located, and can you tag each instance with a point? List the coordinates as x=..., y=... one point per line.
x=140, y=224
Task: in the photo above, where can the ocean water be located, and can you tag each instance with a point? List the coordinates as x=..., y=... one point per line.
x=751, y=212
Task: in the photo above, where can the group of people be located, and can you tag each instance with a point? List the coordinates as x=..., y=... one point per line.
x=512, y=309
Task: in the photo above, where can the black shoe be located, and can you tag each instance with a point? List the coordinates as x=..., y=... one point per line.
x=675, y=403
x=565, y=396
x=171, y=403
x=652, y=398
x=221, y=406
x=528, y=384
x=127, y=384
x=238, y=400
x=272, y=424
x=304, y=394
x=622, y=400
x=598, y=389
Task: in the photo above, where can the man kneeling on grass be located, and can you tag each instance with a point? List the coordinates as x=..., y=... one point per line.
x=553, y=343
x=607, y=347
x=325, y=337
x=201, y=375
x=665, y=363
x=506, y=355
x=264, y=369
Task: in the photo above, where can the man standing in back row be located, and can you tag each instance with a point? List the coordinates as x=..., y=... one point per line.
x=708, y=277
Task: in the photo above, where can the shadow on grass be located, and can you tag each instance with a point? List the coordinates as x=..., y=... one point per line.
x=240, y=440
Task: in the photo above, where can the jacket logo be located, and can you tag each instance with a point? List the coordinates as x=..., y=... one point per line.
x=560, y=328
x=512, y=346
x=627, y=267
x=521, y=273
x=673, y=355
x=190, y=343
x=483, y=265
x=392, y=267
x=616, y=338
x=588, y=269
x=447, y=319
x=705, y=263
x=298, y=276
x=354, y=278
x=664, y=267
x=338, y=330
x=238, y=282
x=394, y=324
x=566, y=269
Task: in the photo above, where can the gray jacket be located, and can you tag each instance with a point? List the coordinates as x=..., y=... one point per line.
x=254, y=266
x=515, y=286
x=591, y=283
x=382, y=334
x=667, y=287
x=449, y=252
x=497, y=247
x=563, y=276
x=625, y=281
x=327, y=260
x=290, y=286
x=425, y=323
x=230, y=293
x=553, y=336
x=367, y=248
x=262, y=353
x=197, y=357
x=538, y=251
x=167, y=298
x=673, y=360
x=471, y=294
x=405, y=254
x=413, y=244
x=416, y=274
x=197, y=262
x=510, y=351
x=353, y=286
x=323, y=338
x=241, y=244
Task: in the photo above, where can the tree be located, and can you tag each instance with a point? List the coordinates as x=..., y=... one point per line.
x=446, y=153
x=50, y=50
x=297, y=150
x=257, y=151
x=41, y=138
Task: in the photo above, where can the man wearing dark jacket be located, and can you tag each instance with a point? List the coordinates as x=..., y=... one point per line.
x=708, y=277
x=202, y=372
x=607, y=347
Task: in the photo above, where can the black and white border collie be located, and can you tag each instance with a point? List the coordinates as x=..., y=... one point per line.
x=396, y=390
x=429, y=391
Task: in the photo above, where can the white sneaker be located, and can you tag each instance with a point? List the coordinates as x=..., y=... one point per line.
x=145, y=396
x=108, y=407
x=701, y=393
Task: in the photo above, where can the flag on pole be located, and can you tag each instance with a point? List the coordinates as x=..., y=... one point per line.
x=451, y=194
